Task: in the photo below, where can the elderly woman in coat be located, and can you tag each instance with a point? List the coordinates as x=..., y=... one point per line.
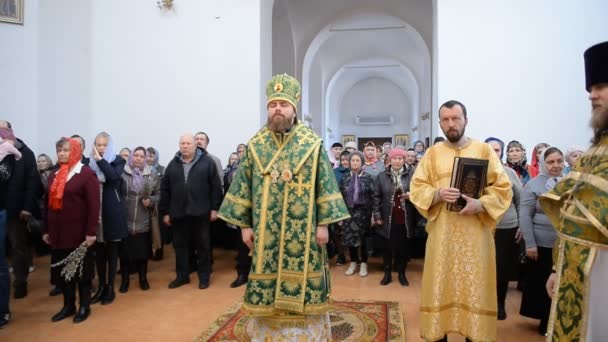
x=71, y=218
x=394, y=214
x=140, y=190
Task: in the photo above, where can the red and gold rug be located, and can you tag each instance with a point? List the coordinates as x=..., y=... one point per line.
x=372, y=321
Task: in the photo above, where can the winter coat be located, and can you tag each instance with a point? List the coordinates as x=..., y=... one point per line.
x=79, y=216
x=6, y=172
x=139, y=216
x=357, y=227
x=24, y=188
x=113, y=210
x=339, y=172
x=196, y=196
x=384, y=197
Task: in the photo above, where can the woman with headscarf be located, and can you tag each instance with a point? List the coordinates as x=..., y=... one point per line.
x=160, y=233
x=572, y=155
x=535, y=165
x=357, y=188
x=71, y=217
x=394, y=215
x=516, y=160
x=336, y=229
x=152, y=158
x=507, y=235
x=45, y=165
x=141, y=191
x=113, y=228
x=125, y=153
x=539, y=236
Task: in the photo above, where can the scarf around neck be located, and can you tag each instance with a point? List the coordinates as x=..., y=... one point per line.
x=58, y=186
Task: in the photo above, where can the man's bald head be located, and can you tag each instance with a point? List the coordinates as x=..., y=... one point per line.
x=187, y=145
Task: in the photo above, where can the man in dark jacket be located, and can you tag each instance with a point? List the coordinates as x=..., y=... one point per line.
x=191, y=194
x=24, y=189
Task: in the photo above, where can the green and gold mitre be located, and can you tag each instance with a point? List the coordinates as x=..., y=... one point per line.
x=284, y=88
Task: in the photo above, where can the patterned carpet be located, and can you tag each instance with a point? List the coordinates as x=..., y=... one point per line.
x=350, y=321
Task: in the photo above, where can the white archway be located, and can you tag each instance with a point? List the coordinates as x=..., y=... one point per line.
x=371, y=40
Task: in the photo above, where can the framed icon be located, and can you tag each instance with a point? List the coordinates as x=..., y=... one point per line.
x=11, y=11
x=401, y=140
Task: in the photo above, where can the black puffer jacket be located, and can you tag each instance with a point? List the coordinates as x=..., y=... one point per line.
x=6, y=172
x=197, y=196
x=24, y=188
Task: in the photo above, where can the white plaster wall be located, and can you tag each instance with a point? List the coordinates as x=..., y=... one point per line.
x=64, y=72
x=375, y=97
x=518, y=66
x=156, y=75
x=19, y=75
x=282, y=42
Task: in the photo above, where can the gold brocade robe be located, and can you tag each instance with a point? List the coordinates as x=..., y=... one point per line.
x=284, y=188
x=578, y=209
x=459, y=277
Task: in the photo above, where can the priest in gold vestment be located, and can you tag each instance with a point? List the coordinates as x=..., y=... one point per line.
x=578, y=209
x=459, y=277
x=283, y=197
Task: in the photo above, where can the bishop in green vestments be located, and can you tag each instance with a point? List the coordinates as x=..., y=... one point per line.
x=283, y=197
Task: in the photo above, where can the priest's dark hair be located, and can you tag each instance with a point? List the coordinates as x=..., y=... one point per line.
x=450, y=104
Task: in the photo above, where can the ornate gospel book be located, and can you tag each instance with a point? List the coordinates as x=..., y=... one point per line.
x=469, y=175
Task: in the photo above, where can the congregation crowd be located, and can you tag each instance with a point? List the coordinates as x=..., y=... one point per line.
x=52, y=207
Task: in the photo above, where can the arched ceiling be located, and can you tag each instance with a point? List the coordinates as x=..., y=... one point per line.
x=350, y=75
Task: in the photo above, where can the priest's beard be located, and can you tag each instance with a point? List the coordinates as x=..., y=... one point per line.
x=454, y=135
x=279, y=123
x=599, y=123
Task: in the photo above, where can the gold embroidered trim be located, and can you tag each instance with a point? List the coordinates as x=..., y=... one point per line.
x=590, y=178
x=581, y=241
x=278, y=153
x=256, y=158
x=262, y=225
x=558, y=277
x=309, y=309
x=309, y=224
x=594, y=221
x=277, y=294
x=234, y=221
x=313, y=149
x=329, y=198
x=239, y=201
x=438, y=309
x=262, y=276
x=587, y=286
x=333, y=220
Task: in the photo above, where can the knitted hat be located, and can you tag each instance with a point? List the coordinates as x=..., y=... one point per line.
x=396, y=152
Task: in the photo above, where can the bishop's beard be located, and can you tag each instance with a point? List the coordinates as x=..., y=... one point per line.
x=279, y=123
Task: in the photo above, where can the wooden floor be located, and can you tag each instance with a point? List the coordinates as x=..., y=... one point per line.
x=182, y=314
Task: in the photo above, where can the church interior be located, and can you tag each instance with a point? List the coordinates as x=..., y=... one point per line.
x=371, y=70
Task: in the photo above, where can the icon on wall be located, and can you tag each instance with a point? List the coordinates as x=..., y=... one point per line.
x=401, y=140
x=11, y=11
x=348, y=138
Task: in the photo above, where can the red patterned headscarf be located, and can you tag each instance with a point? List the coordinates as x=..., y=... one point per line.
x=58, y=186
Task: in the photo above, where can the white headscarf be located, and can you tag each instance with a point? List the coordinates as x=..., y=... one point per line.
x=108, y=155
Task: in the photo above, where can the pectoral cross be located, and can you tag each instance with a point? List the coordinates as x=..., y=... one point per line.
x=275, y=174
x=302, y=186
